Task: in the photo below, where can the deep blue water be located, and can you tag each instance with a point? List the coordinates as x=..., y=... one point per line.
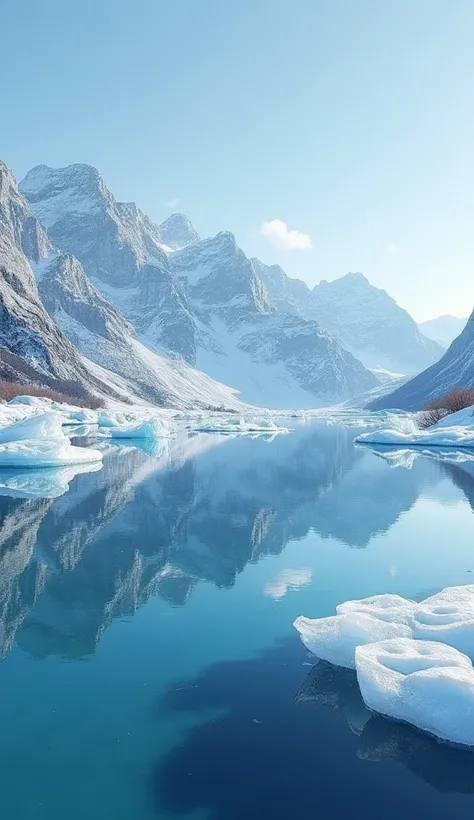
x=149, y=665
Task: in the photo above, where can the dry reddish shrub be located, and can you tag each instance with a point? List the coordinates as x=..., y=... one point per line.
x=8, y=390
x=451, y=402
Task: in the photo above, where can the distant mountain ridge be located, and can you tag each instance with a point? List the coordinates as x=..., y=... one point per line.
x=443, y=329
x=454, y=369
x=201, y=300
x=365, y=319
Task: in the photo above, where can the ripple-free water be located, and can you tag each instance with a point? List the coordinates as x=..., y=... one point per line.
x=150, y=668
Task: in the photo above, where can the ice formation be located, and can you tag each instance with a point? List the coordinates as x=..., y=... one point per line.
x=424, y=683
x=240, y=425
x=39, y=426
x=151, y=429
x=39, y=441
x=447, y=617
x=456, y=430
x=335, y=639
x=43, y=453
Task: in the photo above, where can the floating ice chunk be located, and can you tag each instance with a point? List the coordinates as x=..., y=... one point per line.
x=39, y=426
x=107, y=418
x=447, y=616
x=240, y=425
x=424, y=683
x=336, y=638
x=42, y=453
x=75, y=415
x=44, y=483
x=153, y=428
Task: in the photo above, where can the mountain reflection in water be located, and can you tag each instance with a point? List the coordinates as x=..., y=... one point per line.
x=198, y=508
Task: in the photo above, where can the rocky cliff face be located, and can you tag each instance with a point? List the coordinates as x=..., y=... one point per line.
x=26, y=328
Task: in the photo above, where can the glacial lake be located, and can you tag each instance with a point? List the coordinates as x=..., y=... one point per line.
x=149, y=664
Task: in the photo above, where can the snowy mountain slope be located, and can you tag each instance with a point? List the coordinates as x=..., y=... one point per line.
x=370, y=324
x=444, y=329
x=102, y=334
x=365, y=319
x=121, y=250
x=269, y=353
x=197, y=302
x=121, y=366
x=287, y=294
x=454, y=369
x=26, y=329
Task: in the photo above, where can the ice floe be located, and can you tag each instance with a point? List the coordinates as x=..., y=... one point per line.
x=39, y=441
x=447, y=616
x=151, y=429
x=424, y=683
x=335, y=639
x=413, y=658
x=44, y=453
x=39, y=426
x=240, y=426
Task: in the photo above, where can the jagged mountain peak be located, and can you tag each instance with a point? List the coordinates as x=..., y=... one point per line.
x=178, y=231
x=57, y=192
x=370, y=323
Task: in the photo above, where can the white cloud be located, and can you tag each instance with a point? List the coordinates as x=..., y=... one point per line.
x=278, y=232
x=391, y=248
x=287, y=580
x=171, y=203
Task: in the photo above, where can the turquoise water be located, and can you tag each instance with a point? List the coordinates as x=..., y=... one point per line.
x=149, y=666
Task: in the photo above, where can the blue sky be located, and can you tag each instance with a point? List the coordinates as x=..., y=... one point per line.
x=350, y=122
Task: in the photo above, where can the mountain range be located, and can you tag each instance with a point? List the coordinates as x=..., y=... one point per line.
x=100, y=294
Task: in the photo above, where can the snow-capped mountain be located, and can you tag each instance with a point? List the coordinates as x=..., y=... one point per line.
x=201, y=300
x=443, y=329
x=365, y=319
x=26, y=329
x=118, y=365
x=178, y=232
x=454, y=369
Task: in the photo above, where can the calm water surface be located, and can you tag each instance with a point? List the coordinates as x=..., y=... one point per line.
x=149, y=666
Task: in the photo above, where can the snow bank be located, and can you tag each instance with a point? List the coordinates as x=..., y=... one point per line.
x=424, y=683
x=31, y=401
x=447, y=617
x=456, y=430
x=240, y=425
x=43, y=483
x=151, y=429
x=463, y=418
